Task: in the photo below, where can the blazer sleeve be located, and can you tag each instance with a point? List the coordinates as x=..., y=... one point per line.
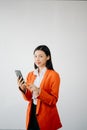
x=51, y=97
x=28, y=95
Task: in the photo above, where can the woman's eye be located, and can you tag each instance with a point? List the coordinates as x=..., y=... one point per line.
x=35, y=56
x=41, y=56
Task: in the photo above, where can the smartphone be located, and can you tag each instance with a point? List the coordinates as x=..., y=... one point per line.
x=19, y=74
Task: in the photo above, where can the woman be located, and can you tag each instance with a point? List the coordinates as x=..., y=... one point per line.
x=41, y=90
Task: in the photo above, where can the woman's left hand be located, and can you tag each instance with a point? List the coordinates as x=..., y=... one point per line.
x=34, y=89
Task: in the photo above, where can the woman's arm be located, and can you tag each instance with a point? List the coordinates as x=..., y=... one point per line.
x=50, y=97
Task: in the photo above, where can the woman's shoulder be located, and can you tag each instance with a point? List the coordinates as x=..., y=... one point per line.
x=53, y=72
x=52, y=76
x=30, y=73
x=30, y=76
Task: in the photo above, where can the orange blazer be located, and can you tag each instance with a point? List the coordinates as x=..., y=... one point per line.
x=46, y=109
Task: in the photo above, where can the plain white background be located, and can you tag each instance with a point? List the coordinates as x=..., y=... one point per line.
x=62, y=26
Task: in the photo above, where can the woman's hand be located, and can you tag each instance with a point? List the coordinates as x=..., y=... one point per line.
x=21, y=84
x=34, y=89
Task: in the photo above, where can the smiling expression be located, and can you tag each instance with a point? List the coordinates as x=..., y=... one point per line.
x=40, y=58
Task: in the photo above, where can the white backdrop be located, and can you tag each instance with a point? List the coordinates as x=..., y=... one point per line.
x=62, y=26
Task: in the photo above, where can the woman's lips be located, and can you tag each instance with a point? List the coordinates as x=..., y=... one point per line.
x=38, y=63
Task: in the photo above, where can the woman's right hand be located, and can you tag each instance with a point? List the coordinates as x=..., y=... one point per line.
x=22, y=85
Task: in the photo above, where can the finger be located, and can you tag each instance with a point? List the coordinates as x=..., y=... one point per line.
x=20, y=79
x=22, y=82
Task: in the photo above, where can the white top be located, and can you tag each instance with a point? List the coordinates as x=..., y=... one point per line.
x=38, y=81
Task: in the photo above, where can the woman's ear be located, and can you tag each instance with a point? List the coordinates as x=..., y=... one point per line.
x=48, y=57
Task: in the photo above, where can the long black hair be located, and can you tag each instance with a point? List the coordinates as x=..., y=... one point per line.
x=46, y=50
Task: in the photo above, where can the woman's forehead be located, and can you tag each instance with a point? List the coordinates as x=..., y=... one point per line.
x=39, y=52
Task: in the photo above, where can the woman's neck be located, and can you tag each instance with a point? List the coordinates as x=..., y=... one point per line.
x=40, y=69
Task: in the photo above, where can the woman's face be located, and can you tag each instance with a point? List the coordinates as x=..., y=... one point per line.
x=40, y=58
